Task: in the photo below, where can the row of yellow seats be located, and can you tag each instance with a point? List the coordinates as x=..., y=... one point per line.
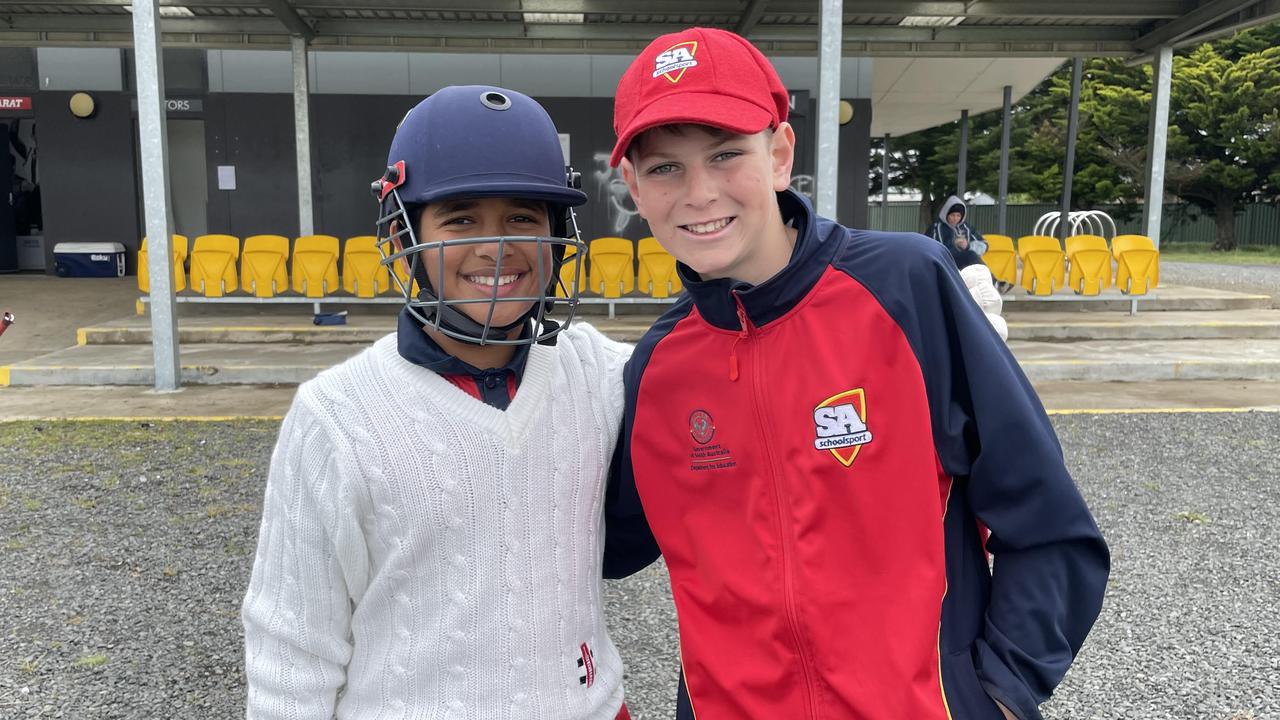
x=263, y=270
x=1045, y=265
x=613, y=269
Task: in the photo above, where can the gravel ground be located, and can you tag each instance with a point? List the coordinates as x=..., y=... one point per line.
x=124, y=570
x=1261, y=279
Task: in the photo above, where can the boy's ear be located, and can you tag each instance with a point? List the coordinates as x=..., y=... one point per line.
x=629, y=177
x=782, y=150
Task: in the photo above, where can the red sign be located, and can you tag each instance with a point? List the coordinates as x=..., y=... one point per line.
x=15, y=103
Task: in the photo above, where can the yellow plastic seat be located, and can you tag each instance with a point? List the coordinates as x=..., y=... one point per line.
x=1001, y=258
x=657, y=276
x=1042, y=264
x=1137, y=264
x=611, y=273
x=1090, y=263
x=402, y=272
x=315, y=265
x=213, y=264
x=572, y=263
x=179, y=248
x=263, y=269
x=363, y=273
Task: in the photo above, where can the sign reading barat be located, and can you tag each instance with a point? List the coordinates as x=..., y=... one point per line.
x=15, y=103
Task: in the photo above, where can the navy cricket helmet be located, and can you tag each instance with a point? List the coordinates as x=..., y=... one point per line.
x=476, y=141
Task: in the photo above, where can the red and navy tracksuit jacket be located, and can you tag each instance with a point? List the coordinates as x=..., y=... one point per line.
x=818, y=458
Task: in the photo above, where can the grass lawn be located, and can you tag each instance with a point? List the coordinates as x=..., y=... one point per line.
x=1203, y=253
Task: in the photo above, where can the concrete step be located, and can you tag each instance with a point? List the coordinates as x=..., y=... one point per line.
x=201, y=364
x=1163, y=299
x=1148, y=360
x=291, y=363
x=1080, y=323
x=359, y=330
x=1171, y=325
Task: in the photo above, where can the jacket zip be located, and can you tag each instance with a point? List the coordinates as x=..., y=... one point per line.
x=784, y=522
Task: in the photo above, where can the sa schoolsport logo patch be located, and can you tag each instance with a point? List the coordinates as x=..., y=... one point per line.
x=676, y=59
x=840, y=425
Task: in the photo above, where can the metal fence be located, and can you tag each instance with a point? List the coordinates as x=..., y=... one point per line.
x=1259, y=224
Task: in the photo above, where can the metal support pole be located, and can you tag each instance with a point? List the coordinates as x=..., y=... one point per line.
x=1157, y=135
x=1005, y=121
x=829, y=106
x=302, y=130
x=153, y=142
x=1069, y=166
x=962, y=164
x=884, y=185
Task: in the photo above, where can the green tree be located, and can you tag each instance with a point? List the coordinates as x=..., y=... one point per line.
x=1224, y=135
x=1223, y=145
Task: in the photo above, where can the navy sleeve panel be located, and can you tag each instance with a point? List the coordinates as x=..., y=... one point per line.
x=993, y=437
x=629, y=545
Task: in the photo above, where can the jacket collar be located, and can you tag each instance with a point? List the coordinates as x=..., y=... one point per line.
x=717, y=300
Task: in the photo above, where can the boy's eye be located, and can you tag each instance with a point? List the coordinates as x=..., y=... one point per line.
x=458, y=220
x=523, y=219
x=663, y=169
x=726, y=155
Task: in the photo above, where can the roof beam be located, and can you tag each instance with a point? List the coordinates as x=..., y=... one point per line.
x=1005, y=35
x=750, y=16
x=1257, y=14
x=1134, y=9
x=289, y=17
x=1104, y=9
x=1191, y=23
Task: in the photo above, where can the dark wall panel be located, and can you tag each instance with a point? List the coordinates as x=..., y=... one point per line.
x=254, y=133
x=350, y=136
x=589, y=124
x=88, y=180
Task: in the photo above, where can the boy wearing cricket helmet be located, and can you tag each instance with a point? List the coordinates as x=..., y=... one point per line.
x=432, y=532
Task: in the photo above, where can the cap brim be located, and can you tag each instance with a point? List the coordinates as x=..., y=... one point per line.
x=722, y=111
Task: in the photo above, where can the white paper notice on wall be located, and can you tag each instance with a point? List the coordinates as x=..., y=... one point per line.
x=564, y=146
x=226, y=177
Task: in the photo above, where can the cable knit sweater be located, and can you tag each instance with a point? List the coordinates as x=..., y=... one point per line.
x=424, y=555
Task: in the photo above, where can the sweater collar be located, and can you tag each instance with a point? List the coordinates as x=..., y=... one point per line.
x=717, y=300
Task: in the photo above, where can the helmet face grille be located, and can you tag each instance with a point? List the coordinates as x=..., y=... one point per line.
x=405, y=257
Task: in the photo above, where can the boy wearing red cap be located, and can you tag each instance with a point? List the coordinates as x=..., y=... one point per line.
x=819, y=432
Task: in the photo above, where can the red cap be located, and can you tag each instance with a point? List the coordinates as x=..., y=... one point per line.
x=699, y=75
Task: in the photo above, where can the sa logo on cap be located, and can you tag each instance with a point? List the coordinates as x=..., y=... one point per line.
x=676, y=59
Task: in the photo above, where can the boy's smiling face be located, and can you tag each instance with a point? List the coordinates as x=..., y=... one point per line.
x=709, y=197
x=469, y=269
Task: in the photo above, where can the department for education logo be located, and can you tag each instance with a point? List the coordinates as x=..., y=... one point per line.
x=701, y=427
x=840, y=425
x=676, y=59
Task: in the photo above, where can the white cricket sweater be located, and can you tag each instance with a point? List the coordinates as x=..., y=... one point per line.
x=425, y=555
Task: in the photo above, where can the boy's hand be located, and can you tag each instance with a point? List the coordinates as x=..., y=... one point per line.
x=982, y=287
